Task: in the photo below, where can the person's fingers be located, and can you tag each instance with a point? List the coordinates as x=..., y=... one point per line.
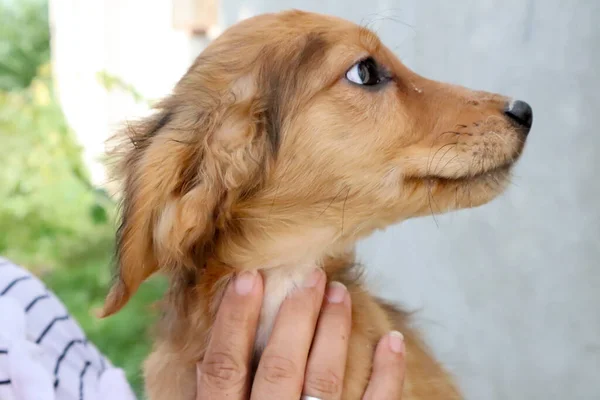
x=280, y=372
x=387, y=379
x=324, y=376
x=223, y=373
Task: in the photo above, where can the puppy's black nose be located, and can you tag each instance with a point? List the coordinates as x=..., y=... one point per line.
x=521, y=113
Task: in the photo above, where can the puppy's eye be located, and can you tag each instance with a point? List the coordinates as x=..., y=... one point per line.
x=365, y=72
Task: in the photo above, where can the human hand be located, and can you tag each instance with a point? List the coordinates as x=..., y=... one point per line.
x=306, y=353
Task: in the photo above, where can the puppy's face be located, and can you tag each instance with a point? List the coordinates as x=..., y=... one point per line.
x=293, y=135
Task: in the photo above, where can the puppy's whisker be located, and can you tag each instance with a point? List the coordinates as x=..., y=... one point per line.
x=448, y=162
x=439, y=209
x=452, y=145
x=393, y=17
x=436, y=138
x=429, y=200
x=430, y=150
x=383, y=18
x=435, y=171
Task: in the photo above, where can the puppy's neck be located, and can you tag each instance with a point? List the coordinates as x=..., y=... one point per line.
x=285, y=261
x=282, y=281
x=255, y=249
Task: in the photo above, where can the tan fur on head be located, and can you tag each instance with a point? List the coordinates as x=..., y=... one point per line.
x=267, y=157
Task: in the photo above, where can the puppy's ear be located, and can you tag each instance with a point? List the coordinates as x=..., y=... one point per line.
x=211, y=143
x=180, y=173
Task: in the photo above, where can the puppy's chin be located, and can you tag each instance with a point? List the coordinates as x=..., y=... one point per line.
x=494, y=175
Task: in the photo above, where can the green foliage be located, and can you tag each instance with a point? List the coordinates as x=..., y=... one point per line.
x=48, y=210
x=24, y=41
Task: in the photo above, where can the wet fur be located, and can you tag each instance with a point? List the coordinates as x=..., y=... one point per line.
x=265, y=157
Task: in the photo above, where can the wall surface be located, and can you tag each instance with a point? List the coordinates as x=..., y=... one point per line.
x=509, y=294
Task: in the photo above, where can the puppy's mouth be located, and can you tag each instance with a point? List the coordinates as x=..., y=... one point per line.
x=495, y=173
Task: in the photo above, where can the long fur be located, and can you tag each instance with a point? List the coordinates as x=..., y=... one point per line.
x=265, y=157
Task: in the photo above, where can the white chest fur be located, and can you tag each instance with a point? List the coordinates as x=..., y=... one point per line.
x=279, y=283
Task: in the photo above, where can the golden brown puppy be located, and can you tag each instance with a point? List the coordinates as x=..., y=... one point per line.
x=292, y=136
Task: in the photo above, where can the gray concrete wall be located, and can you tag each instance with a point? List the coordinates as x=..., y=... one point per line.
x=509, y=293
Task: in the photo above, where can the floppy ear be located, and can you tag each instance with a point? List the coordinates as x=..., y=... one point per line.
x=181, y=171
x=210, y=143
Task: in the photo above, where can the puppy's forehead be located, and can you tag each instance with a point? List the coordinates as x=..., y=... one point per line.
x=347, y=35
x=369, y=40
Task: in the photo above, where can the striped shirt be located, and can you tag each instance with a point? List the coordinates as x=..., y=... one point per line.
x=44, y=354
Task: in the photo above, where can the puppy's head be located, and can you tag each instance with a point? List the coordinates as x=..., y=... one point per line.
x=291, y=136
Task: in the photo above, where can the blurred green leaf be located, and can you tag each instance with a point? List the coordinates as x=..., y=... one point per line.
x=25, y=41
x=99, y=214
x=112, y=82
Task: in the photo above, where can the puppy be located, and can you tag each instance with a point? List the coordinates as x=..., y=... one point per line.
x=292, y=136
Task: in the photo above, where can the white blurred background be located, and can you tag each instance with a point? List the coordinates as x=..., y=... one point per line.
x=508, y=294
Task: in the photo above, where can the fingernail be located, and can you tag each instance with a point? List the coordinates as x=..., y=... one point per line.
x=244, y=282
x=336, y=292
x=396, y=342
x=312, y=279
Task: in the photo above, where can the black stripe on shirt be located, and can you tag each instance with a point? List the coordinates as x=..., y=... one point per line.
x=3, y=351
x=6, y=382
x=38, y=298
x=64, y=353
x=47, y=329
x=81, y=376
x=13, y=283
